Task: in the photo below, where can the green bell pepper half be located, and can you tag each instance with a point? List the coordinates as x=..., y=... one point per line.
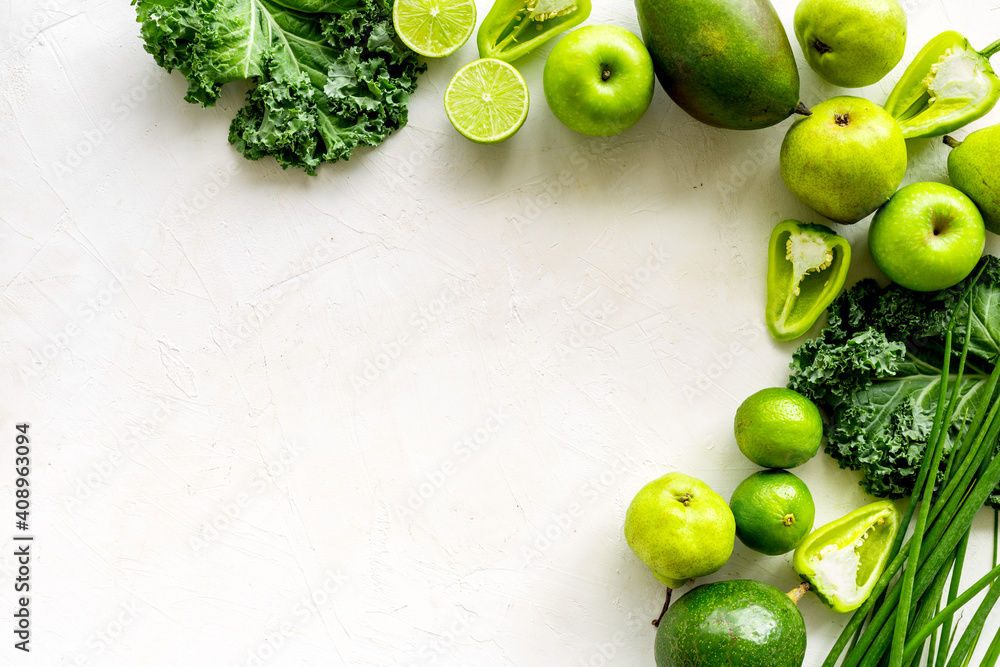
x=948, y=85
x=513, y=28
x=806, y=268
x=843, y=560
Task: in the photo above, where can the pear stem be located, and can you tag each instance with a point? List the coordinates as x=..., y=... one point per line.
x=802, y=109
x=796, y=594
x=990, y=50
x=821, y=47
x=951, y=142
x=656, y=622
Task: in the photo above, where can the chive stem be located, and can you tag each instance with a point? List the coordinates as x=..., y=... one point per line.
x=967, y=643
x=929, y=472
x=932, y=649
x=992, y=653
x=942, y=523
x=945, y=615
x=924, y=611
x=953, y=594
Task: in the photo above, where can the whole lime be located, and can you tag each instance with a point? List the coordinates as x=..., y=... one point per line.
x=774, y=511
x=778, y=428
x=680, y=528
x=740, y=623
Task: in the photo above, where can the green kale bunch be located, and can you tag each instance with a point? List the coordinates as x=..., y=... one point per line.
x=876, y=368
x=328, y=75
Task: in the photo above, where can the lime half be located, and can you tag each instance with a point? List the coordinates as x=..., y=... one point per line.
x=434, y=28
x=487, y=101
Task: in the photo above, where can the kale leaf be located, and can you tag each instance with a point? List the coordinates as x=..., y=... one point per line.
x=876, y=369
x=328, y=75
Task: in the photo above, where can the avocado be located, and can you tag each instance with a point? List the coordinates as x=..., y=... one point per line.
x=974, y=168
x=738, y=623
x=728, y=63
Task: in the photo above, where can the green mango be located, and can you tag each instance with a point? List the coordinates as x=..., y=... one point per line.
x=974, y=168
x=728, y=63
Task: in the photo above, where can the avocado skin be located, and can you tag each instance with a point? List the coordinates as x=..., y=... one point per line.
x=728, y=63
x=738, y=623
x=974, y=168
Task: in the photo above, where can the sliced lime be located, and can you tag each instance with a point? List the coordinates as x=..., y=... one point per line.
x=434, y=28
x=487, y=101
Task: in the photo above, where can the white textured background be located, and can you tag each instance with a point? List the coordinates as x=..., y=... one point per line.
x=392, y=414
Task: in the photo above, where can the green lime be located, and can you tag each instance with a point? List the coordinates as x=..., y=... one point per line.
x=487, y=101
x=774, y=511
x=434, y=28
x=778, y=428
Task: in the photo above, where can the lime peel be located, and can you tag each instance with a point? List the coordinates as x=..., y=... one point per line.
x=774, y=511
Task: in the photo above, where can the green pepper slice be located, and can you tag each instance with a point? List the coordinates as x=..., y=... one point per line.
x=843, y=560
x=513, y=28
x=806, y=268
x=948, y=85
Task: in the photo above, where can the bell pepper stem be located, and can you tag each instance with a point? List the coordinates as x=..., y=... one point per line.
x=990, y=50
x=796, y=593
x=656, y=622
x=951, y=142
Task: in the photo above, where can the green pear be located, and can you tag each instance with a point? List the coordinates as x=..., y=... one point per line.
x=851, y=43
x=845, y=160
x=680, y=528
x=974, y=168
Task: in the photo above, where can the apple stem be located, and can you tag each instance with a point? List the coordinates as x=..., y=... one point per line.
x=951, y=142
x=990, y=50
x=656, y=622
x=802, y=109
x=796, y=594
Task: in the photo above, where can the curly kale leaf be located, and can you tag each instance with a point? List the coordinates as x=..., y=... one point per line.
x=328, y=75
x=830, y=372
x=876, y=371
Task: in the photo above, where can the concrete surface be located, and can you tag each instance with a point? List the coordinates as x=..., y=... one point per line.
x=392, y=414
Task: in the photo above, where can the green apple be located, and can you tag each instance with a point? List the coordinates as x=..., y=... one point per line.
x=599, y=80
x=851, y=43
x=845, y=159
x=927, y=237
